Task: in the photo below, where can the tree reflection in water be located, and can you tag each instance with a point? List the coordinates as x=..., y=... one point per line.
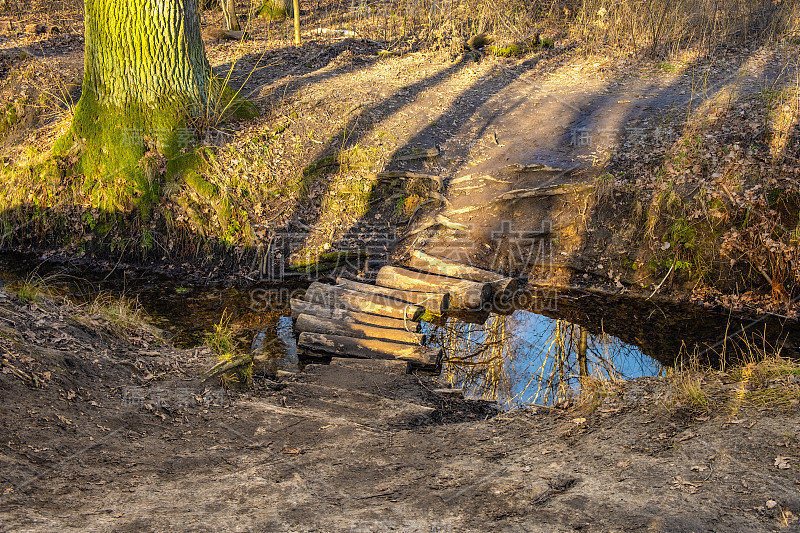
x=527, y=358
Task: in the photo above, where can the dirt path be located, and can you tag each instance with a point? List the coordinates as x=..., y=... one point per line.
x=122, y=435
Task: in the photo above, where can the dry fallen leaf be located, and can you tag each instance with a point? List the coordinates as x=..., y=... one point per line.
x=686, y=486
x=782, y=462
x=293, y=452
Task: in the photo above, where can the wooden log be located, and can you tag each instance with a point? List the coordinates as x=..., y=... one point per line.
x=382, y=366
x=435, y=302
x=464, y=294
x=300, y=307
x=450, y=393
x=421, y=356
x=358, y=301
x=315, y=324
x=502, y=285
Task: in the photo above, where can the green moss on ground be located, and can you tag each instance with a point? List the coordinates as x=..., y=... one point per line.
x=327, y=260
x=506, y=51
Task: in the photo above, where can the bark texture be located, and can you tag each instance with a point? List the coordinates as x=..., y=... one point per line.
x=145, y=52
x=145, y=75
x=277, y=9
x=229, y=10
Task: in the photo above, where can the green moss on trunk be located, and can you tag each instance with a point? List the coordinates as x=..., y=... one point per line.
x=118, y=150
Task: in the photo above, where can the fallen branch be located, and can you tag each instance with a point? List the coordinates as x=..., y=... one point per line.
x=418, y=153
x=399, y=174
x=535, y=167
x=229, y=364
x=326, y=31
x=440, y=220
x=470, y=178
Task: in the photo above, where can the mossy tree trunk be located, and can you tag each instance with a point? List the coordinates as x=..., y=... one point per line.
x=229, y=10
x=277, y=9
x=145, y=75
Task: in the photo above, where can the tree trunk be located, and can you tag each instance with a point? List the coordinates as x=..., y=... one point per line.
x=277, y=9
x=583, y=362
x=229, y=10
x=146, y=52
x=145, y=75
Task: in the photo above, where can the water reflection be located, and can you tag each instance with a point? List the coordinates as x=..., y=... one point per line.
x=527, y=358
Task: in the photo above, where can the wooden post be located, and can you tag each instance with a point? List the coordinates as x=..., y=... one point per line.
x=297, y=22
x=315, y=324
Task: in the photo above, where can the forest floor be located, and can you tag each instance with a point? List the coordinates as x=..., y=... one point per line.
x=105, y=427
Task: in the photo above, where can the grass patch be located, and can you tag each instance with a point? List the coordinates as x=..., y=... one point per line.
x=124, y=315
x=220, y=339
x=667, y=66
x=29, y=290
x=690, y=391
x=760, y=377
x=233, y=369
x=506, y=51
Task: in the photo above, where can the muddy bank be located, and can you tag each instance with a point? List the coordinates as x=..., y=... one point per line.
x=104, y=431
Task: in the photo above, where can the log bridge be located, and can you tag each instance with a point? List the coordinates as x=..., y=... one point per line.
x=382, y=321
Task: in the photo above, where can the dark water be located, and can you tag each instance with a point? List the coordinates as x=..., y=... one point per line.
x=546, y=349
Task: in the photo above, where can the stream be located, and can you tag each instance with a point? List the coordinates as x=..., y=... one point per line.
x=542, y=351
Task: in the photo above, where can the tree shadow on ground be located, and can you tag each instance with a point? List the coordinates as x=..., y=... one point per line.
x=256, y=78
